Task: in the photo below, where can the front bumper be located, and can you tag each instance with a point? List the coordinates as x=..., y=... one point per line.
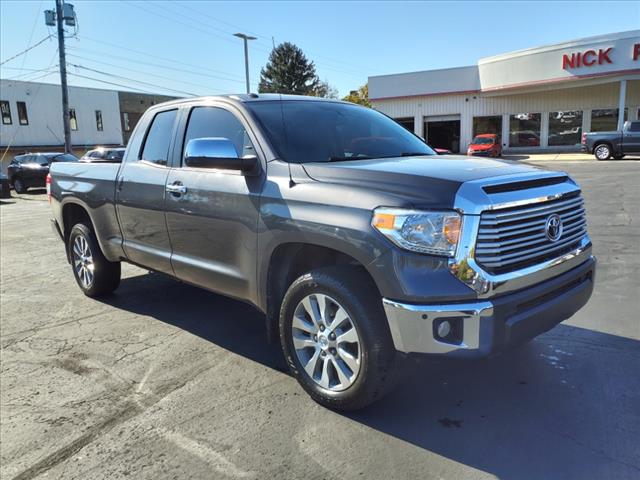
x=491, y=325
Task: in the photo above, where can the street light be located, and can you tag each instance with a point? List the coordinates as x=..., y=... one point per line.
x=246, y=55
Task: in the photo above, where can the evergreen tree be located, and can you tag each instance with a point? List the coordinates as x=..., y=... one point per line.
x=288, y=71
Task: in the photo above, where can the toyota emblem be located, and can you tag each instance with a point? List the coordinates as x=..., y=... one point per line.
x=553, y=227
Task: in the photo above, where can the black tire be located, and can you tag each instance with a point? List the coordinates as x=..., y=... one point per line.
x=19, y=185
x=602, y=151
x=379, y=361
x=106, y=275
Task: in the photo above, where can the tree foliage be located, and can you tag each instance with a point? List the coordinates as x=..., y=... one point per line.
x=360, y=96
x=288, y=71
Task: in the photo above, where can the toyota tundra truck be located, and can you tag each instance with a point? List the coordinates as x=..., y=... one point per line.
x=357, y=242
x=616, y=144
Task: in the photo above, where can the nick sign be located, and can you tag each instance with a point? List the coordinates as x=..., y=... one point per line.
x=589, y=58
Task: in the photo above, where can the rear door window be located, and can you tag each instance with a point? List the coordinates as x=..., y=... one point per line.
x=159, y=135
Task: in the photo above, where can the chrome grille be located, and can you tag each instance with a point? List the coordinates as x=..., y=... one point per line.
x=513, y=238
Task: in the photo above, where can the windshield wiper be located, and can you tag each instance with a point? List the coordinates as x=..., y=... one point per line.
x=413, y=154
x=344, y=159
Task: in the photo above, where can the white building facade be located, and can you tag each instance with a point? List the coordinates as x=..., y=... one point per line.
x=539, y=99
x=32, y=116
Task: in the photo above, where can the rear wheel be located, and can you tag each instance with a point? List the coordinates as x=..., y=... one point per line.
x=602, y=151
x=94, y=274
x=19, y=185
x=336, y=339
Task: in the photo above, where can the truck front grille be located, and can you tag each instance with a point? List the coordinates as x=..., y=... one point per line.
x=513, y=238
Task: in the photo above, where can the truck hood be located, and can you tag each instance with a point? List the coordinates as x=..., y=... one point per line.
x=423, y=180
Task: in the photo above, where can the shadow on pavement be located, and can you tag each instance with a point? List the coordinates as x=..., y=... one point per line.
x=566, y=405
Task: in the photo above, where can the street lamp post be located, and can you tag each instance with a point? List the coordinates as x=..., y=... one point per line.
x=246, y=38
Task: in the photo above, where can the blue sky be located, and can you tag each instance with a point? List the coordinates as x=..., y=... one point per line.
x=188, y=46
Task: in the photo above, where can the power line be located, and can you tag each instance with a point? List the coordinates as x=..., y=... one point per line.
x=208, y=87
x=132, y=79
x=174, y=20
x=33, y=29
x=173, y=61
x=165, y=67
x=128, y=87
x=26, y=50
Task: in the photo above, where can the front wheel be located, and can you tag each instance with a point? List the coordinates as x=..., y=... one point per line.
x=602, y=151
x=19, y=186
x=94, y=274
x=336, y=339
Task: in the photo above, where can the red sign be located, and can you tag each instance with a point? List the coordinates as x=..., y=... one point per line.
x=586, y=59
x=589, y=58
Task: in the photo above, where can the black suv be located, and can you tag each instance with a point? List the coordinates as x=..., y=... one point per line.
x=31, y=169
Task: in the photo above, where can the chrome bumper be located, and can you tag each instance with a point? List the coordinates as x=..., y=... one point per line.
x=412, y=326
x=488, y=326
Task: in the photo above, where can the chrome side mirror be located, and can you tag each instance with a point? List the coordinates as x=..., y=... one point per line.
x=219, y=153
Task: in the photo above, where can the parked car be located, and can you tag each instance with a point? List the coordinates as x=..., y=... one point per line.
x=104, y=155
x=357, y=243
x=31, y=169
x=442, y=151
x=486, y=145
x=606, y=145
x=5, y=186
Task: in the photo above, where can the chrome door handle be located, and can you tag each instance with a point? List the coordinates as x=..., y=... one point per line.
x=178, y=189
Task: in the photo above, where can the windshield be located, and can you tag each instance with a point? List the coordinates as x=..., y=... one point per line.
x=482, y=141
x=65, y=157
x=312, y=131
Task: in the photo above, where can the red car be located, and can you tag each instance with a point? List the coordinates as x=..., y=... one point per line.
x=485, y=144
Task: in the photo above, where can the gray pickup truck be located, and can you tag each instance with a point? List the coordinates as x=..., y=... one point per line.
x=606, y=145
x=359, y=244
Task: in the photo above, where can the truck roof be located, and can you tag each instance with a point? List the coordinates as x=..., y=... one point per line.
x=251, y=97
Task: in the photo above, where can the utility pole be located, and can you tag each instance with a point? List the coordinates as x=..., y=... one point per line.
x=246, y=38
x=64, y=14
x=63, y=79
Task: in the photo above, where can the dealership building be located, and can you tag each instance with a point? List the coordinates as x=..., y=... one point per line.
x=538, y=99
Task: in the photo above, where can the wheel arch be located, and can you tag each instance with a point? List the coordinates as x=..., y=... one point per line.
x=289, y=261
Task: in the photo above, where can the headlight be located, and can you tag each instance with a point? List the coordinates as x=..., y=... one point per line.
x=436, y=233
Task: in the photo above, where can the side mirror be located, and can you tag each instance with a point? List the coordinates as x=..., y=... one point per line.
x=216, y=152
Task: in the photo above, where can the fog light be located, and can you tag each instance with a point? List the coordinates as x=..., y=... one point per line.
x=444, y=329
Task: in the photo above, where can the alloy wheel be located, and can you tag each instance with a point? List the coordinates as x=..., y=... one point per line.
x=326, y=342
x=602, y=152
x=83, y=261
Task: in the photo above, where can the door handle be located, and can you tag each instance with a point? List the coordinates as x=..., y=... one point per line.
x=176, y=189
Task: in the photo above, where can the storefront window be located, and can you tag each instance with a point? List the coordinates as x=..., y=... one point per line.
x=565, y=128
x=524, y=130
x=605, y=119
x=490, y=124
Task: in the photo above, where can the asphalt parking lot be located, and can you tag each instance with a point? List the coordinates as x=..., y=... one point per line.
x=163, y=380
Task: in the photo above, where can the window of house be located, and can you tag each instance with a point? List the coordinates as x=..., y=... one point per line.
x=156, y=145
x=605, y=119
x=217, y=122
x=99, y=120
x=23, y=119
x=524, y=130
x=565, y=127
x=5, y=108
x=73, y=121
x=125, y=121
